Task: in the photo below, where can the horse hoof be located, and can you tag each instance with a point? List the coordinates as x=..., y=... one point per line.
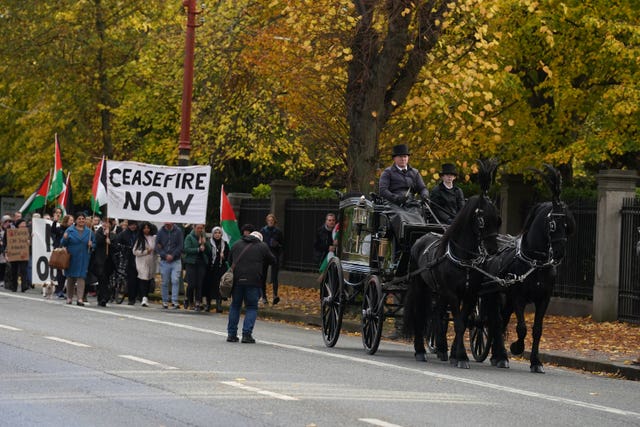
x=421, y=357
x=517, y=348
x=503, y=364
x=537, y=369
x=443, y=356
x=463, y=364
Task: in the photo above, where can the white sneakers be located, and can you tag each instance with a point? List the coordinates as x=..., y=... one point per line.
x=145, y=302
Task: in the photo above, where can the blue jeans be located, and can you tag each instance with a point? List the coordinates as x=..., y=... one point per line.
x=250, y=295
x=170, y=272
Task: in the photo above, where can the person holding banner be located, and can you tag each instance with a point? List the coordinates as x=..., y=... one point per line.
x=169, y=244
x=124, y=242
x=144, y=251
x=101, y=262
x=197, y=252
x=80, y=242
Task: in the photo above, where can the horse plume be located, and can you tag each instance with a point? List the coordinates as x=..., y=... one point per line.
x=551, y=176
x=486, y=173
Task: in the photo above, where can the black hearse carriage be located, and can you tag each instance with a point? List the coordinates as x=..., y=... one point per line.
x=372, y=264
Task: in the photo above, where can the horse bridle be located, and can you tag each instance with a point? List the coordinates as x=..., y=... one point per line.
x=557, y=213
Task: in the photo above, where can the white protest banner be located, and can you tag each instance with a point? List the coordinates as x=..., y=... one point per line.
x=41, y=248
x=157, y=193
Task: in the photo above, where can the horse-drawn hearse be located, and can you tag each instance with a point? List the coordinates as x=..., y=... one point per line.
x=371, y=266
x=400, y=261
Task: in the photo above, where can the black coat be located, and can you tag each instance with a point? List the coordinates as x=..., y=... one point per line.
x=324, y=239
x=446, y=203
x=250, y=268
x=395, y=185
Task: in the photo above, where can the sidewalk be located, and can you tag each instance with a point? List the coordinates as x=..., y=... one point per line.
x=600, y=351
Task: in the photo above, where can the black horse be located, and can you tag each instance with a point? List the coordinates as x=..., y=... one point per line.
x=450, y=271
x=529, y=263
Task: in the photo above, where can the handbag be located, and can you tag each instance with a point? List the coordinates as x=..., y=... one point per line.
x=226, y=281
x=60, y=259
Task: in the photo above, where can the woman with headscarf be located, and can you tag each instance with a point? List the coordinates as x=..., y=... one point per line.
x=217, y=267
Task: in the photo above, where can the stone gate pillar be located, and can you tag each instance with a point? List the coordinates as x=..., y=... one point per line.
x=613, y=186
x=281, y=190
x=515, y=195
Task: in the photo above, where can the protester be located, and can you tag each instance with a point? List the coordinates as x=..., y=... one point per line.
x=274, y=238
x=124, y=242
x=144, y=252
x=80, y=241
x=57, y=231
x=324, y=242
x=4, y=265
x=169, y=244
x=249, y=256
x=101, y=262
x=197, y=253
x=18, y=268
x=217, y=267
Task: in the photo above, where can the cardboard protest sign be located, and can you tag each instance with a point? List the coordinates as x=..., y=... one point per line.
x=157, y=193
x=18, y=241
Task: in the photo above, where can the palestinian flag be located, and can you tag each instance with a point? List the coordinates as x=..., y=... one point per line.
x=335, y=234
x=228, y=222
x=38, y=199
x=65, y=201
x=99, y=188
x=57, y=180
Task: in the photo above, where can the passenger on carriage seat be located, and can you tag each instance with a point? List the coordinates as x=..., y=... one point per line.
x=447, y=199
x=399, y=181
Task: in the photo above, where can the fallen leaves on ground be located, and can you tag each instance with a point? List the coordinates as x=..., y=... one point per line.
x=575, y=336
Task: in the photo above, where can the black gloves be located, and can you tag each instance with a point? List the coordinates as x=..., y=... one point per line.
x=401, y=199
x=425, y=198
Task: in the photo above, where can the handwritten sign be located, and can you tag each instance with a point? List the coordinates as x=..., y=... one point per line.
x=18, y=240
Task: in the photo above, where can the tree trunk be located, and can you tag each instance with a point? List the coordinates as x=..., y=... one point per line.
x=382, y=73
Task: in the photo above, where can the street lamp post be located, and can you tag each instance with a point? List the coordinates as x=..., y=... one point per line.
x=184, y=146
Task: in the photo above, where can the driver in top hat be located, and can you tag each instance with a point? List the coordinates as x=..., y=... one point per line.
x=447, y=199
x=399, y=181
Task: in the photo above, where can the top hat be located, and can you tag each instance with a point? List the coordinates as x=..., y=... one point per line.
x=400, y=150
x=448, y=169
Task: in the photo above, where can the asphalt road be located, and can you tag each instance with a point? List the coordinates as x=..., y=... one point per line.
x=63, y=365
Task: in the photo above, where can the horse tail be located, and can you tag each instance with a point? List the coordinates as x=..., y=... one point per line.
x=416, y=304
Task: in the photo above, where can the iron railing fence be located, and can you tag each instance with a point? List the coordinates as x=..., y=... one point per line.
x=629, y=283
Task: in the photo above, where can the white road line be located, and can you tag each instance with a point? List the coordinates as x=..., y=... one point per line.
x=62, y=340
x=11, y=328
x=325, y=353
x=146, y=361
x=258, y=390
x=377, y=422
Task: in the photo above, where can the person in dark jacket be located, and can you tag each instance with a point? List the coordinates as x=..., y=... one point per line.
x=447, y=199
x=124, y=241
x=400, y=181
x=324, y=242
x=248, y=256
x=101, y=263
x=169, y=245
x=197, y=254
x=273, y=237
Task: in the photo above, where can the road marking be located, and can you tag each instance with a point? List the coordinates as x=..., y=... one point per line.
x=377, y=422
x=258, y=390
x=11, y=328
x=62, y=340
x=325, y=353
x=146, y=361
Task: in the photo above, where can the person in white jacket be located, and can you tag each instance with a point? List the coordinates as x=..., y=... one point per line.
x=144, y=251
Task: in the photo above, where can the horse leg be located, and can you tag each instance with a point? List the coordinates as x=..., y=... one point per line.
x=536, y=332
x=499, y=357
x=441, y=321
x=517, y=347
x=420, y=316
x=460, y=325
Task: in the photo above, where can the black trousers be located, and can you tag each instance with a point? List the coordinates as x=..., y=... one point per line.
x=195, y=274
